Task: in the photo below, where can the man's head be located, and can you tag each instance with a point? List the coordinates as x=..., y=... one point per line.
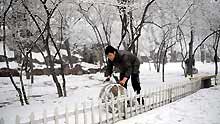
x=110, y=52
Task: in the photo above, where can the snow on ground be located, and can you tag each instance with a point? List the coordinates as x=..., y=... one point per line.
x=15, y=65
x=38, y=56
x=12, y=65
x=203, y=107
x=42, y=94
x=9, y=53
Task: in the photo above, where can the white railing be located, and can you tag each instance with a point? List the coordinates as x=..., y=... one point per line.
x=98, y=113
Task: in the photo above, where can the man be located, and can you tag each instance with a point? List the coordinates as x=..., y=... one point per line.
x=127, y=63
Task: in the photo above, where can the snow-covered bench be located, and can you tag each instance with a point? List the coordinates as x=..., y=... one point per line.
x=205, y=80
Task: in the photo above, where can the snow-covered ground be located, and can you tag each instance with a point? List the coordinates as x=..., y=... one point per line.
x=202, y=107
x=42, y=94
x=9, y=53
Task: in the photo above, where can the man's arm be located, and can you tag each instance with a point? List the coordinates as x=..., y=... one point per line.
x=109, y=69
x=126, y=76
x=128, y=69
x=128, y=66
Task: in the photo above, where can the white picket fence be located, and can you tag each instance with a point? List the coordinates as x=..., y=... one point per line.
x=98, y=113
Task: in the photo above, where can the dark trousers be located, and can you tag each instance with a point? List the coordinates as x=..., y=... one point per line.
x=135, y=81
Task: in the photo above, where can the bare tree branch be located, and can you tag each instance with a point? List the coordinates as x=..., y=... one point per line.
x=204, y=40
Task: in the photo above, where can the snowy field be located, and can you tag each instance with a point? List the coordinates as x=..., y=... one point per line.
x=42, y=94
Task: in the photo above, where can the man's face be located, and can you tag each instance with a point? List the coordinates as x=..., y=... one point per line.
x=111, y=56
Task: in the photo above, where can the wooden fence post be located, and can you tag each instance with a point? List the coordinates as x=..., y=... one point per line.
x=119, y=107
x=149, y=99
x=159, y=97
x=2, y=121
x=113, y=108
x=141, y=101
x=131, y=104
x=167, y=93
x=56, y=116
x=17, y=120
x=126, y=106
x=32, y=118
x=145, y=101
x=182, y=90
x=84, y=113
x=136, y=104
x=100, y=112
x=44, y=117
x=156, y=97
x=163, y=93
x=170, y=94
x=92, y=112
x=177, y=92
x=185, y=87
x=140, y=104
x=76, y=114
x=106, y=110
x=153, y=97
x=66, y=115
x=173, y=87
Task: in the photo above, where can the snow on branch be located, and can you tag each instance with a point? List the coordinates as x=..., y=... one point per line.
x=127, y=5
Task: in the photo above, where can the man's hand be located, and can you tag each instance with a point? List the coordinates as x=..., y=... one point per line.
x=107, y=79
x=122, y=82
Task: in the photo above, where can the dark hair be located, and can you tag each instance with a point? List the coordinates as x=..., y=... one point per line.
x=110, y=49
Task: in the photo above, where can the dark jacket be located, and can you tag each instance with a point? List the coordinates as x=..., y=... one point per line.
x=125, y=61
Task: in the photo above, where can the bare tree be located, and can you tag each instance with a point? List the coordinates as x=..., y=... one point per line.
x=215, y=47
x=106, y=23
x=5, y=54
x=128, y=27
x=168, y=43
x=46, y=36
x=106, y=27
x=180, y=38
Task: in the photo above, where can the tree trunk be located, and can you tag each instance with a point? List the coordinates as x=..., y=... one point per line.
x=22, y=85
x=31, y=64
x=215, y=46
x=67, y=45
x=159, y=56
x=163, y=64
x=191, y=56
x=51, y=62
x=62, y=65
x=202, y=51
x=5, y=54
